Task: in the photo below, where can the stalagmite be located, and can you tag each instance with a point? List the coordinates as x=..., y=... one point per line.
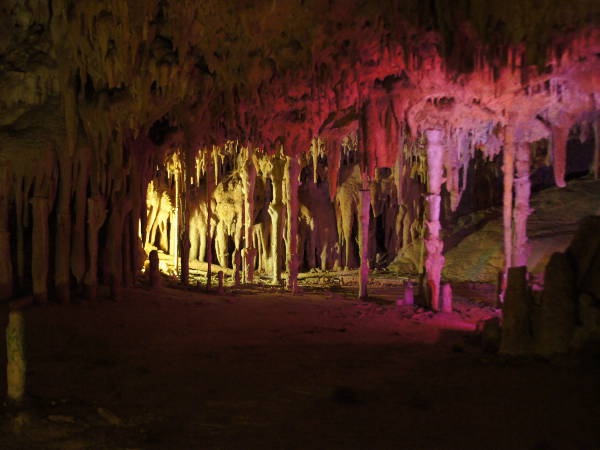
x=277, y=168
x=364, y=221
x=447, y=298
x=292, y=173
x=221, y=291
x=237, y=264
x=248, y=176
x=508, y=170
x=409, y=296
x=435, y=260
x=6, y=272
x=15, y=356
x=520, y=252
x=153, y=270
x=40, y=249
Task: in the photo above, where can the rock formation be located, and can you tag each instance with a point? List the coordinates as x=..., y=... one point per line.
x=340, y=133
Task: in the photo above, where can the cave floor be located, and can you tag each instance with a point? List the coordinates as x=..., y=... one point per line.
x=259, y=369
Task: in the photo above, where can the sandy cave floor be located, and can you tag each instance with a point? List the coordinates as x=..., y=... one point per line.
x=260, y=369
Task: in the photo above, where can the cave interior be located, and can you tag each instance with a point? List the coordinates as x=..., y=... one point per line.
x=430, y=163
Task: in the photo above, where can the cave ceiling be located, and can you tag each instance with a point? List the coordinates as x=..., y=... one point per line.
x=282, y=72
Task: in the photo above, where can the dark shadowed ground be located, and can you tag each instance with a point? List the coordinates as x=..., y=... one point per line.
x=264, y=370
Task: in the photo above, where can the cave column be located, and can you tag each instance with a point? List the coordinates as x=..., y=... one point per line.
x=209, y=193
x=248, y=175
x=96, y=215
x=6, y=273
x=185, y=206
x=363, y=240
x=520, y=253
x=276, y=213
x=508, y=169
x=174, y=235
x=434, y=262
x=62, y=251
x=40, y=248
x=292, y=182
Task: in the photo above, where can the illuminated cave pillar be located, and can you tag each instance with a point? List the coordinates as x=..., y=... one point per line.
x=248, y=176
x=186, y=205
x=363, y=240
x=6, y=273
x=277, y=171
x=292, y=182
x=434, y=262
x=209, y=194
x=520, y=252
x=508, y=169
x=40, y=249
x=174, y=232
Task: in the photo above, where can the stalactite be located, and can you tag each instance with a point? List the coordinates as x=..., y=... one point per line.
x=291, y=178
x=435, y=260
x=520, y=253
x=334, y=156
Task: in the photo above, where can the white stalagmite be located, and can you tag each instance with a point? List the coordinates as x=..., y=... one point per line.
x=292, y=173
x=434, y=262
x=520, y=253
x=508, y=169
x=40, y=249
x=15, y=355
x=363, y=241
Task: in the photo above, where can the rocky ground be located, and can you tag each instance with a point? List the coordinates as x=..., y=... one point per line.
x=260, y=369
x=556, y=213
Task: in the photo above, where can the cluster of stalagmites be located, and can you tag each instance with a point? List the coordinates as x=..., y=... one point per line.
x=565, y=315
